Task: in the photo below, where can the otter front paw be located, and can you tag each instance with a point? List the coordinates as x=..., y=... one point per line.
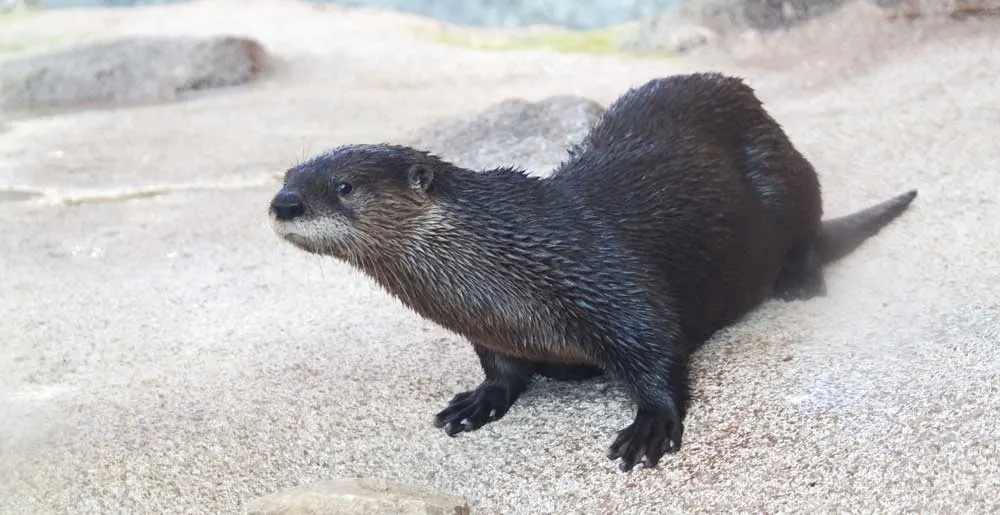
x=647, y=439
x=471, y=410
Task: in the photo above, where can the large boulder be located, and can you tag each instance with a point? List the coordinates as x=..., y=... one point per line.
x=514, y=132
x=128, y=71
x=357, y=496
x=698, y=22
x=955, y=9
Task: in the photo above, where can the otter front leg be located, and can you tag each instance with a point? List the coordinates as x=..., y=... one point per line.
x=657, y=380
x=506, y=379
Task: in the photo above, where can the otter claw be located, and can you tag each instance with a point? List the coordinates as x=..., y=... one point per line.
x=453, y=429
x=468, y=411
x=646, y=440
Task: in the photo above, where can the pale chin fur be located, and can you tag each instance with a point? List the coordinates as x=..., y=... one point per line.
x=311, y=235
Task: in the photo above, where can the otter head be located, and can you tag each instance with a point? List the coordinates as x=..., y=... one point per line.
x=358, y=202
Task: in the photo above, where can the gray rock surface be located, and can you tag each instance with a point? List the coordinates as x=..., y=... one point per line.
x=675, y=31
x=514, y=132
x=166, y=354
x=357, y=496
x=128, y=71
x=695, y=23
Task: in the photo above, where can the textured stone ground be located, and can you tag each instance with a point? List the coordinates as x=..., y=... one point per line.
x=162, y=352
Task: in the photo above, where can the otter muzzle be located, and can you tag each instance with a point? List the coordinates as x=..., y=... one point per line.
x=287, y=206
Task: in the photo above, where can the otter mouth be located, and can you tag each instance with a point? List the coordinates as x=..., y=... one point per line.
x=286, y=232
x=315, y=235
x=299, y=241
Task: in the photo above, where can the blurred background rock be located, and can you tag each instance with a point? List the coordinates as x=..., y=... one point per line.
x=659, y=25
x=141, y=71
x=577, y=14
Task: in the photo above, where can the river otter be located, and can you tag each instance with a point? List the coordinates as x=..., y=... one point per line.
x=684, y=208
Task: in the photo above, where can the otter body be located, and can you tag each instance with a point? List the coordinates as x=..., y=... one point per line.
x=683, y=209
x=704, y=189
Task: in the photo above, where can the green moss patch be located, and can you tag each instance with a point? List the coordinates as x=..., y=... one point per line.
x=600, y=41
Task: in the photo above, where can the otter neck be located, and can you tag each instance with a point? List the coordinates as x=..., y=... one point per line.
x=473, y=262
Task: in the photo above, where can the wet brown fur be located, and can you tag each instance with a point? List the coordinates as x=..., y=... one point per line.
x=684, y=208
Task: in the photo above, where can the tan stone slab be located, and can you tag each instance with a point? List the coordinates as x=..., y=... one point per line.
x=357, y=496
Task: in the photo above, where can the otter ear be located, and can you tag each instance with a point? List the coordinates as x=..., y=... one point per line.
x=419, y=177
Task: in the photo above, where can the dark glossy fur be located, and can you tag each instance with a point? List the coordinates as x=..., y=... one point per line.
x=684, y=208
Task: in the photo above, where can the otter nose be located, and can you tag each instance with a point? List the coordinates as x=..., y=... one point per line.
x=287, y=206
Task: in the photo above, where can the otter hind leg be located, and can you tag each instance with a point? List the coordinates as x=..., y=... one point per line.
x=506, y=379
x=801, y=276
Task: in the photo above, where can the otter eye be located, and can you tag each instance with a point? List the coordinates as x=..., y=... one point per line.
x=344, y=189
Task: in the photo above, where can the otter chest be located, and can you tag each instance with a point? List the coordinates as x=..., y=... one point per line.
x=524, y=330
x=544, y=349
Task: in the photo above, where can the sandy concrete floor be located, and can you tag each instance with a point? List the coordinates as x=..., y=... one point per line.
x=169, y=355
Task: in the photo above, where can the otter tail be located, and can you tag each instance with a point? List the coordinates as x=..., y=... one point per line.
x=840, y=236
